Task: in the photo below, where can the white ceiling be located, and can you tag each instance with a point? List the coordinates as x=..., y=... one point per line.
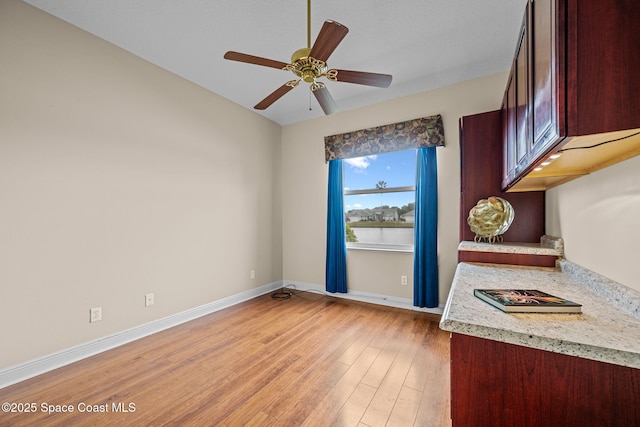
x=424, y=44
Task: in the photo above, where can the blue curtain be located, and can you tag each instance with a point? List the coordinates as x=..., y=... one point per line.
x=425, y=262
x=336, y=267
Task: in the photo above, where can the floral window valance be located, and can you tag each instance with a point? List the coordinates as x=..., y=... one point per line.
x=416, y=133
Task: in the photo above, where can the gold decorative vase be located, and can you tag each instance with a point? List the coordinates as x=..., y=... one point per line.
x=490, y=218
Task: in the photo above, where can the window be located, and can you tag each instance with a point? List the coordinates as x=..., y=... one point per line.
x=379, y=199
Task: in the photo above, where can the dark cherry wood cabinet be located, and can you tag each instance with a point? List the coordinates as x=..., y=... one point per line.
x=498, y=384
x=481, y=174
x=522, y=104
x=509, y=131
x=546, y=72
x=574, y=83
x=574, y=74
x=507, y=258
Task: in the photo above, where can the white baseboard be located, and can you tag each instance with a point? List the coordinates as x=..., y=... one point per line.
x=23, y=371
x=369, y=297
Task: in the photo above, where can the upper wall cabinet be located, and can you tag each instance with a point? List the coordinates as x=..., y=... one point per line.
x=572, y=102
x=515, y=109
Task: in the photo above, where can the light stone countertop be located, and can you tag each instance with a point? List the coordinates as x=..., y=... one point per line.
x=605, y=330
x=548, y=246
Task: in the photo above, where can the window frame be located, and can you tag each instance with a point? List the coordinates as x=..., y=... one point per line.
x=387, y=247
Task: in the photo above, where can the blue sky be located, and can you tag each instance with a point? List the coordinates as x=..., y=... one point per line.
x=397, y=169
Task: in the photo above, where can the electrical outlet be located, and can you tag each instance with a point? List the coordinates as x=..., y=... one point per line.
x=95, y=314
x=252, y=274
x=148, y=300
x=403, y=280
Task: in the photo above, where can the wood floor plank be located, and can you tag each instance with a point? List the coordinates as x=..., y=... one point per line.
x=405, y=408
x=380, y=409
x=351, y=412
x=307, y=344
x=326, y=410
x=325, y=370
x=434, y=412
x=309, y=360
x=422, y=366
x=391, y=344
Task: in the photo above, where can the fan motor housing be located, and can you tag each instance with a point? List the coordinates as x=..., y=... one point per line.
x=299, y=54
x=306, y=67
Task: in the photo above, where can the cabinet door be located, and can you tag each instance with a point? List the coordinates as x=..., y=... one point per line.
x=509, y=132
x=504, y=385
x=522, y=96
x=547, y=82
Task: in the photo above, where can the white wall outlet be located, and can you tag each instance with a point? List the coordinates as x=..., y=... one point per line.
x=95, y=314
x=148, y=300
x=404, y=281
x=252, y=274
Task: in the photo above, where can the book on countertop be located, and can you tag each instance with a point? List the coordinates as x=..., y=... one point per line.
x=526, y=301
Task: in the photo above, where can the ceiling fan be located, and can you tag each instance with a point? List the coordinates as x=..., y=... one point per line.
x=310, y=63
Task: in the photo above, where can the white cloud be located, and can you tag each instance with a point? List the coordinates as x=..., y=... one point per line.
x=360, y=163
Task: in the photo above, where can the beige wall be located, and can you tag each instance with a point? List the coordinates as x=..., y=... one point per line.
x=305, y=187
x=117, y=179
x=598, y=216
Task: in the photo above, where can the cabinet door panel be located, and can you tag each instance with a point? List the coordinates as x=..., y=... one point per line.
x=509, y=132
x=522, y=97
x=547, y=120
x=504, y=385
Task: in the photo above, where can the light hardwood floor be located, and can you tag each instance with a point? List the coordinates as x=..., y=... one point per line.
x=310, y=360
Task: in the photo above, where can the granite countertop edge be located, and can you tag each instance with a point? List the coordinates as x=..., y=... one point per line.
x=548, y=246
x=601, y=354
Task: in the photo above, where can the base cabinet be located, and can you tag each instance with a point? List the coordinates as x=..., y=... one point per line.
x=498, y=384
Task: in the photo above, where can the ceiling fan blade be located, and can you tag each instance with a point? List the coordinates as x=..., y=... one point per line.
x=360, y=77
x=250, y=59
x=329, y=38
x=276, y=94
x=324, y=98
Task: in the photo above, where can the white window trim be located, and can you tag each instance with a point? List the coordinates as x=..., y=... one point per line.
x=380, y=190
x=379, y=247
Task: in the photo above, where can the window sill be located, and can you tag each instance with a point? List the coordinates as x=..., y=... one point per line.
x=381, y=248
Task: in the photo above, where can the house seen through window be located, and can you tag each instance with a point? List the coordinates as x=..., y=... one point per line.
x=379, y=200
